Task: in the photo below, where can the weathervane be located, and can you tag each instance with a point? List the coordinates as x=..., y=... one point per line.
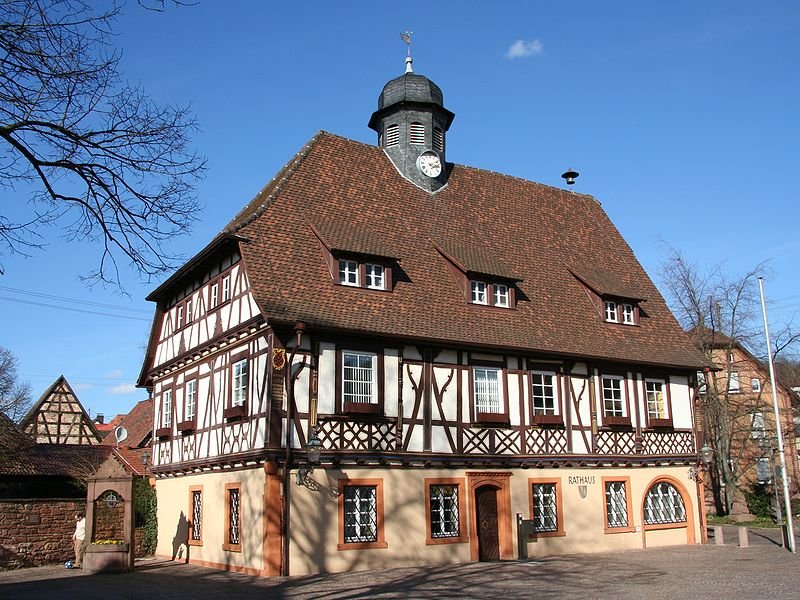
x=406, y=37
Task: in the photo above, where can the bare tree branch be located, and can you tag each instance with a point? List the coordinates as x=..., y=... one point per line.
x=110, y=165
x=15, y=395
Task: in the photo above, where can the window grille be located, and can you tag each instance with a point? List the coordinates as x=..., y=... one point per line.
x=166, y=408
x=611, y=312
x=438, y=139
x=416, y=134
x=197, y=515
x=612, y=397
x=239, y=383
x=358, y=370
x=191, y=399
x=444, y=511
x=501, y=295
x=543, y=391
x=233, y=512
x=374, y=277
x=392, y=137
x=545, y=518
x=616, y=504
x=663, y=504
x=348, y=272
x=487, y=391
x=656, y=405
x=360, y=514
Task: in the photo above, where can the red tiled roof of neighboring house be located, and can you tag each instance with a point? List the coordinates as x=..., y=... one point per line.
x=139, y=423
x=131, y=458
x=345, y=193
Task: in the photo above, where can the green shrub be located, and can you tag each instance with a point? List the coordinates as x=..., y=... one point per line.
x=146, y=514
x=760, y=501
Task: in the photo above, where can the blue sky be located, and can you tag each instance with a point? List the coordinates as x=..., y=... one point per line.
x=681, y=118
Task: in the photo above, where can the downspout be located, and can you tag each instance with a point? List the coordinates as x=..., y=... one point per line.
x=289, y=380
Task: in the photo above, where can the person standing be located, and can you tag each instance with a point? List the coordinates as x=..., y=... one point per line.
x=78, y=538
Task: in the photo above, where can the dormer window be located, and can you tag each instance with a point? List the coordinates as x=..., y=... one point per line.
x=438, y=139
x=392, y=137
x=501, y=295
x=348, y=272
x=621, y=312
x=374, y=276
x=416, y=134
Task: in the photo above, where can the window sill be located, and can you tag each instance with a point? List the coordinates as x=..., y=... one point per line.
x=363, y=546
x=617, y=421
x=235, y=412
x=681, y=525
x=547, y=534
x=462, y=539
x=361, y=408
x=660, y=423
x=493, y=418
x=187, y=427
x=612, y=530
x=232, y=547
x=195, y=542
x=164, y=433
x=547, y=420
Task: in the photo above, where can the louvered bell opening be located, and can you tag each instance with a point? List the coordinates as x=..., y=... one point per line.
x=416, y=134
x=438, y=139
x=392, y=135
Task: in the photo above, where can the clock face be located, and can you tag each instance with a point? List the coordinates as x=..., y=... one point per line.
x=429, y=163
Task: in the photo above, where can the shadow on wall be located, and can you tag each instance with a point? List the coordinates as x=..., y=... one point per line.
x=180, y=543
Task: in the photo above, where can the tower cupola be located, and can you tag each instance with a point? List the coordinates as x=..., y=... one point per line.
x=412, y=123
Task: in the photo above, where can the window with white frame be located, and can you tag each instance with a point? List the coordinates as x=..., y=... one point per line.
x=360, y=514
x=758, y=428
x=627, y=314
x=191, y=399
x=180, y=316
x=613, y=401
x=239, y=388
x=348, y=272
x=616, y=504
x=359, y=377
x=733, y=383
x=189, y=311
x=444, y=511
x=166, y=408
x=655, y=394
x=611, y=312
x=213, y=301
x=545, y=512
x=501, y=295
x=755, y=384
x=543, y=392
x=374, y=276
x=488, y=395
x=479, y=295
x=663, y=504
x=226, y=288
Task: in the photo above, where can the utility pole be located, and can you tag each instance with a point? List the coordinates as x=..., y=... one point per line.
x=778, y=424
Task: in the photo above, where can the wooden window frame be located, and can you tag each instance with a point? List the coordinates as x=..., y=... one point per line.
x=179, y=320
x=226, y=278
x=556, y=419
x=230, y=411
x=561, y=529
x=192, y=490
x=227, y=546
x=218, y=281
x=484, y=417
x=460, y=485
x=630, y=527
x=613, y=420
x=491, y=292
x=380, y=534
x=366, y=266
x=360, y=408
x=188, y=424
x=649, y=421
x=165, y=429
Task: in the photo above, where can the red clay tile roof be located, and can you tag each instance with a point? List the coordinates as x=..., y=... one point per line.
x=532, y=229
x=138, y=422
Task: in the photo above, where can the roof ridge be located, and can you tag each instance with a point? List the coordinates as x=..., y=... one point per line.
x=273, y=188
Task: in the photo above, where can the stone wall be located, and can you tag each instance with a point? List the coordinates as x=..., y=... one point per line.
x=36, y=532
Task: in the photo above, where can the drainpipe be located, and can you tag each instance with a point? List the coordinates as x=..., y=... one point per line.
x=289, y=381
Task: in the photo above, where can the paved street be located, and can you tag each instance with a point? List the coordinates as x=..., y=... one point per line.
x=762, y=571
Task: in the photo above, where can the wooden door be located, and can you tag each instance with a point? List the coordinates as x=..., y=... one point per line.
x=486, y=515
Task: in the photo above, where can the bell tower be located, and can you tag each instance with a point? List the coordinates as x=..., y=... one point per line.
x=412, y=123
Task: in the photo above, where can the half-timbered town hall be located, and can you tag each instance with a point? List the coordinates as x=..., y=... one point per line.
x=388, y=359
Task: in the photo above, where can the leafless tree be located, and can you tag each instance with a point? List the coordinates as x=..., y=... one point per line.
x=15, y=395
x=106, y=162
x=723, y=315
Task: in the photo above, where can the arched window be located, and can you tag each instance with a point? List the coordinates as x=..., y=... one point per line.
x=392, y=137
x=663, y=504
x=438, y=139
x=416, y=134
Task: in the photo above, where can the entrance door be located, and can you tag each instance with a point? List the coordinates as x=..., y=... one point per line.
x=486, y=514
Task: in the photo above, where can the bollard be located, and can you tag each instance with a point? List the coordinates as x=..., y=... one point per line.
x=743, y=542
x=718, y=538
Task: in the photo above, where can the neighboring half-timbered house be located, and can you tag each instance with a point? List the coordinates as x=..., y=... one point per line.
x=58, y=417
x=466, y=346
